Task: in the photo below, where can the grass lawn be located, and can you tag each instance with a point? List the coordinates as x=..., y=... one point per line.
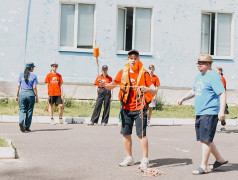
x=85, y=109
x=3, y=143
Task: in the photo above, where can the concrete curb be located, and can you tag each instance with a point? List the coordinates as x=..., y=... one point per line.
x=7, y=152
x=112, y=121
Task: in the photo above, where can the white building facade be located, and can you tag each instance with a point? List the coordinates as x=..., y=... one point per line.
x=169, y=34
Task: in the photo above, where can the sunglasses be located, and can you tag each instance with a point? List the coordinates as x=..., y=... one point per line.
x=201, y=63
x=54, y=66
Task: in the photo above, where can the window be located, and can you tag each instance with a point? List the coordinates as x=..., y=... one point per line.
x=134, y=29
x=216, y=35
x=76, y=27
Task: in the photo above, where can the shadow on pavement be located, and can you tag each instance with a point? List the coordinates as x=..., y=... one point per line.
x=228, y=131
x=227, y=167
x=50, y=129
x=232, y=131
x=169, y=161
x=165, y=125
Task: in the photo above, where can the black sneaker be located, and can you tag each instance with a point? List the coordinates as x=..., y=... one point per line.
x=223, y=129
x=28, y=129
x=223, y=122
x=22, y=127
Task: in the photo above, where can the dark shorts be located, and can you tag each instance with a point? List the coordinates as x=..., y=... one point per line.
x=205, y=126
x=128, y=118
x=55, y=100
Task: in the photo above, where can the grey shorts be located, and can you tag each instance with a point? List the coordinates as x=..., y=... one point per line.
x=128, y=118
x=205, y=126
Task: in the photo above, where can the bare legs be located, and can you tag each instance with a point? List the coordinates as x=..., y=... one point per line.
x=150, y=113
x=143, y=144
x=207, y=149
x=51, y=109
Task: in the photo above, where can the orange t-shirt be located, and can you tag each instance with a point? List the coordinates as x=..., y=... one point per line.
x=223, y=81
x=155, y=80
x=102, y=78
x=132, y=105
x=54, y=81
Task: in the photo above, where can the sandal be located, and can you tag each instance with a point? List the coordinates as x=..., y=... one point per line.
x=199, y=171
x=218, y=164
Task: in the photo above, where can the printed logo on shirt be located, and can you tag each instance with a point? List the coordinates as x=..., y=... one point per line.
x=54, y=80
x=199, y=86
x=133, y=83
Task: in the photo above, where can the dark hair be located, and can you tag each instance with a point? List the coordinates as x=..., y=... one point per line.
x=106, y=75
x=133, y=52
x=26, y=74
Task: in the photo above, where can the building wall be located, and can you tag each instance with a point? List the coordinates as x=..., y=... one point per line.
x=176, y=40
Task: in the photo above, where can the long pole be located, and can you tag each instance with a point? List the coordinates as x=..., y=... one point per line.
x=27, y=25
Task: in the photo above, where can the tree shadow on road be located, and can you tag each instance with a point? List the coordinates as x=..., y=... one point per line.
x=35, y=130
x=170, y=161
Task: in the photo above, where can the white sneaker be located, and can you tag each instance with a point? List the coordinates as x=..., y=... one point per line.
x=148, y=123
x=52, y=122
x=144, y=163
x=61, y=121
x=128, y=161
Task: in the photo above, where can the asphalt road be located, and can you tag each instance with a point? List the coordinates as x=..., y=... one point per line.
x=77, y=151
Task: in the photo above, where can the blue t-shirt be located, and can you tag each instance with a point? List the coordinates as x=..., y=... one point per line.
x=31, y=81
x=208, y=87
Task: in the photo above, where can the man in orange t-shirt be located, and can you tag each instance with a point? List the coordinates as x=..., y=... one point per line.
x=55, y=91
x=138, y=79
x=156, y=83
x=104, y=95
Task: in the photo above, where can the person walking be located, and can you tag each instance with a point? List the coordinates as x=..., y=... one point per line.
x=54, y=83
x=210, y=102
x=27, y=96
x=104, y=97
x=156, y=83
x=136, y=91
x=219, y=70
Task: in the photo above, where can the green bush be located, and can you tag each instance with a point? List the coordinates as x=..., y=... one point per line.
x=159, y=103
x=3, y=143
x=4, y=101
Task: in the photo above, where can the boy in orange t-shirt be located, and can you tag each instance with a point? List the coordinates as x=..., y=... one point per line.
x=219, y=70
x=156, y=83
x=55, y=91
x=104, y=97
x=138, y=79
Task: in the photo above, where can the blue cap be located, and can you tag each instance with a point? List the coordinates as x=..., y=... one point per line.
x=29, y=65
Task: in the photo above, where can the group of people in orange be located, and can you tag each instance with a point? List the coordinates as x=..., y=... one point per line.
x=137, y=94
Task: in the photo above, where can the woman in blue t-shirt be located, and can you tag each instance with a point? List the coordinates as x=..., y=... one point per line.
x=27, y=96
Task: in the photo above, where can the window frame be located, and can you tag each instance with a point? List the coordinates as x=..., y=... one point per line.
x=133, y=33
x=215, y=34
x=74, y=48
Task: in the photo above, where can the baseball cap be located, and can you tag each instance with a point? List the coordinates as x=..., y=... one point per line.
x=54, y=63
x=29, y=65
x=104, y=67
